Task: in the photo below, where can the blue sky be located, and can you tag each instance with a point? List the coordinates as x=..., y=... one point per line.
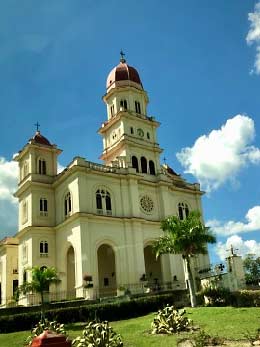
x=200, y=64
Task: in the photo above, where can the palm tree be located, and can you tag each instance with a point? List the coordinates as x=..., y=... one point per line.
x=187, y=237
x=42, y=277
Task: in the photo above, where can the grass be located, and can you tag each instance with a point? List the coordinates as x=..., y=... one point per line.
x=227, y=322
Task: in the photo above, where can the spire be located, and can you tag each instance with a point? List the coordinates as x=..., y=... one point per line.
x=122, y=59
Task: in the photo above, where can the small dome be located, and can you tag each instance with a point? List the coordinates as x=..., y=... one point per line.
x=123, y=72
x=38, y=138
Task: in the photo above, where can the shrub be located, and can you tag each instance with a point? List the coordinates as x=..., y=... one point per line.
x=248, y=298
x=217, y=296
x=98, y=334
x=203, y=339
x=40, y=327
x=169, y=321
x=119, y=309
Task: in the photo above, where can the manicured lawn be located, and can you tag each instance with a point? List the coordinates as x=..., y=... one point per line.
x=226, y=322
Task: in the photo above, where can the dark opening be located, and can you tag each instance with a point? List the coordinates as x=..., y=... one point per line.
x=135, y=163
x=144, y=164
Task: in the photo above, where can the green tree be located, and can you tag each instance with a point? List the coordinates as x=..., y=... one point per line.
x=252, y=269
x=187, y=237
x=42, y=278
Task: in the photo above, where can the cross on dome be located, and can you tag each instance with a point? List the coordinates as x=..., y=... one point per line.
x=122, y=59
x=37, y=126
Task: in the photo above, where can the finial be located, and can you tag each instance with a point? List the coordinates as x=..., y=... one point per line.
x=164, y=160
x=232, y=250
x=37, y=126
x=122, y=59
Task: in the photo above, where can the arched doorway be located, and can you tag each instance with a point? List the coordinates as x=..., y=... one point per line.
x=106, y=270
x=71, y=292
x=153, y=268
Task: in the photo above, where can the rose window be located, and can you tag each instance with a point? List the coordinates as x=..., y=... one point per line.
x=146, y=204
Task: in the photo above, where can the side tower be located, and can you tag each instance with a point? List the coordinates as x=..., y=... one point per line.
x=129, y=135
x=37, y=171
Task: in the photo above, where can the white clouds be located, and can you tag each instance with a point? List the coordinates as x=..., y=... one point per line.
x=240, y=246
x=8, y=179
x=218, y=157
x=252, y=223
x=60, y=168
x=8, y=204
x=253, y=35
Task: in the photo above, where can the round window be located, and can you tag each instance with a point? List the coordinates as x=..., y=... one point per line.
x=146, y=204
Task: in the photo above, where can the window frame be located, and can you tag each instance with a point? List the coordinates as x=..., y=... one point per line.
x=183, y=210
x=44, y=249
x=137, y=107
x=103, y=202
x=67, y=205
x=42, y=166
x=43, y=207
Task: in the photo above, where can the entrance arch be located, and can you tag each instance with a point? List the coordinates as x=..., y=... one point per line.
x=153, y=267
x=106, y=270
x=71, y=292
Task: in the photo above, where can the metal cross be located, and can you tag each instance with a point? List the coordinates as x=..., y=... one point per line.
x=37, y=126
x=164, y=160
x=122, y=54
x=221, y=267
x=232, y=250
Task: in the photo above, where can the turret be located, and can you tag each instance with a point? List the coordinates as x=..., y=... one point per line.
x=129, y=135
x=37, y=171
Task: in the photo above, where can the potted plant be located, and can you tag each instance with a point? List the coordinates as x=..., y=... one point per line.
x=88, y=281
x=121, y=291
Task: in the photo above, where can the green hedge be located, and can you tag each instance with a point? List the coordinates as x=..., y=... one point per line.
x=61, y=304
x=104, y=311
x=223, y=297
x=247, y=298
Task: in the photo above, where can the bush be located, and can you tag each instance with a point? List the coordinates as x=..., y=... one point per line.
x=217, y=296
x=170, y=320
x=247, y=298
x=98, y=334
x=203, y=339
x=122, y=309
x=40, y=327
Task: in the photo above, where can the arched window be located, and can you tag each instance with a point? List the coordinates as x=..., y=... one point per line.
x=183, y=210
x=135, y=163
x=112, y=110
x=108, y=203
x=42, y=167
x=98, y=200
x=151, y=167
x=123, y=104
x=43, y=207
x=103, y=202
x=44, y=249
x=131, y=130
x=137, y=107
x=67, y=205
x=148, y=136
x=144, y=165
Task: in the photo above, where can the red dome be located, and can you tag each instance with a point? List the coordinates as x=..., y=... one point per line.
x=38, y=138
x=123, y=72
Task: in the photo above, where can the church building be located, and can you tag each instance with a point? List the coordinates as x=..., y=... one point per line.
x=95, y=223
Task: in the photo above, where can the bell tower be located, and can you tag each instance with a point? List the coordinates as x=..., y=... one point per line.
x=38, y=169
x=129, y=134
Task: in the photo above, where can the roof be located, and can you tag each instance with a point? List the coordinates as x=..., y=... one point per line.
x=123, y=72
x=39, y=138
